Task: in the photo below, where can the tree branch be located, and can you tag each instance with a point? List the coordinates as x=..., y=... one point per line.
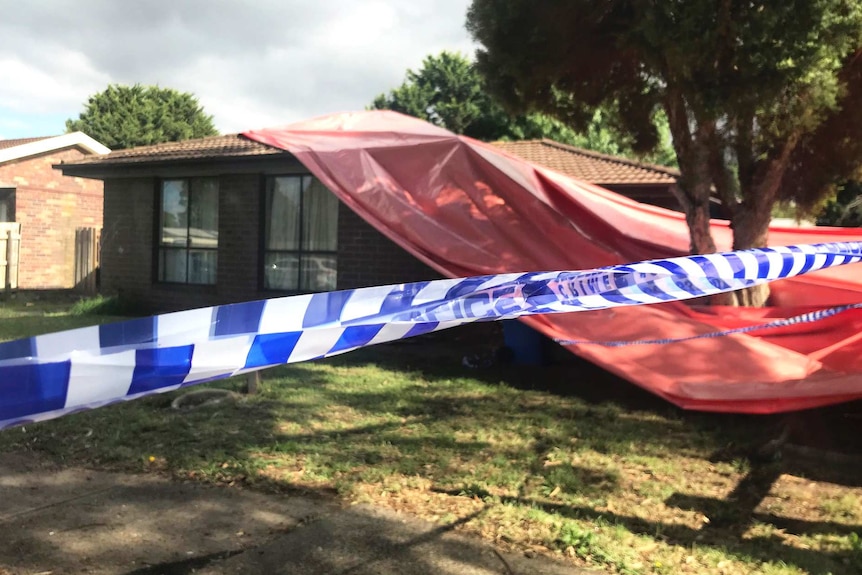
x=725, y=184
x=768, y=179
x=751, y=222
x=678, y=122
x=743, y=146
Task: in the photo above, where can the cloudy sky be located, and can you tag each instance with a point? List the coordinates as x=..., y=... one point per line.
x=252, y=64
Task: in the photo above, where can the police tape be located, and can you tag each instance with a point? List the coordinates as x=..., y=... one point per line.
x=809, y=317
x=50, y=375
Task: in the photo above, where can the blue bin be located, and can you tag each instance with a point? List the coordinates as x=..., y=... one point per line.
x=527, y=344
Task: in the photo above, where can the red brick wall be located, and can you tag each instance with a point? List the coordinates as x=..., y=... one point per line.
x=365, y=257
x=50, y=206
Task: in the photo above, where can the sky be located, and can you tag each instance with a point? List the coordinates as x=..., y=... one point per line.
x=251, y=64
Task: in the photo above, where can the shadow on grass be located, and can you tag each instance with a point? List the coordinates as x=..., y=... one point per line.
x=833, y=428
x=725, y=538
x=733, y=437
x=443, y=427
x=72, y=521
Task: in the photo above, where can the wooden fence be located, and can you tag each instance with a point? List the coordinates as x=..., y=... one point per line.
x=10, y=251
x=87, y=256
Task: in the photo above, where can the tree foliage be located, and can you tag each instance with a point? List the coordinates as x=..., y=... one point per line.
x=128, y=116
x=760, y=95
x=845, y=209
x=450, y=92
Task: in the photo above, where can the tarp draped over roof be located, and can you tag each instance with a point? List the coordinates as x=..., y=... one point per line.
x=466, y=208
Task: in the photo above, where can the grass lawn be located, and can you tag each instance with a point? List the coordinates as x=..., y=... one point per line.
x=562, y=460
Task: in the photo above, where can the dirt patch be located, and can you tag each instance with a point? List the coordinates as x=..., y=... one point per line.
x=81, y=521
x=62, y=521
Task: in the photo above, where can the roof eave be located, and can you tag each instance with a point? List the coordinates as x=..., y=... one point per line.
x=643, y=184
x=74, y=139
x=102, y=170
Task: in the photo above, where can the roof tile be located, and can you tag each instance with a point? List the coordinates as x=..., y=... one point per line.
x=215, y=147
x=4, y=144
x=587, y=165
x=568, y=160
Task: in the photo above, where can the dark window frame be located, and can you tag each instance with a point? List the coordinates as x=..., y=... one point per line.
x=267, y=185
x=159, y=248
x=9, y=194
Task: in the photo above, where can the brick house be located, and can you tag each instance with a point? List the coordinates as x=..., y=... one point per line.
x=49, y=206
x=226, y=219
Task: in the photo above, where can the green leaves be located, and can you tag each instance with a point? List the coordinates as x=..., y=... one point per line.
x=450, y=92
x=762, y=96
x=128, y=116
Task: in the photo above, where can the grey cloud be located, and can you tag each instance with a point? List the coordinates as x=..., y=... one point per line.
x=303, y=57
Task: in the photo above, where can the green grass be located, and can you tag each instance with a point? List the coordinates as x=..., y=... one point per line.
x=847, y=506
x=98, y=305
x=628, y=489
x=25, y=316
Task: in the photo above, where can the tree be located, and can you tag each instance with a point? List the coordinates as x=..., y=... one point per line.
x=760, y=95
x=450, y=92
x=128, y=116
x=845, y=209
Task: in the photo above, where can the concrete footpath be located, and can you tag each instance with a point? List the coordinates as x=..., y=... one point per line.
x=57, y=520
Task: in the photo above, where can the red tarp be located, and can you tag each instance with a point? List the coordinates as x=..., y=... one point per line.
x=467, y=208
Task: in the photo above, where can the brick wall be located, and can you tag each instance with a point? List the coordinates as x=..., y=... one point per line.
x=127, y=255
x=129, y=233
x=239, y=237
x=365, y=256
x=50, y=206
x=368, y=258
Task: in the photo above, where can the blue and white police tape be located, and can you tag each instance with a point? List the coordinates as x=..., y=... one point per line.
x=51, y=375
x=809, y=317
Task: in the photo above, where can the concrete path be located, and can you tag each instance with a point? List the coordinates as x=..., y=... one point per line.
x=61, y=521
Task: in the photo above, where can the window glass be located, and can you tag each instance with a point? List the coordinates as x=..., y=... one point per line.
x=202, y=266
x=283, y=207
x=188, y=231
x=7, y=205
x=319, y=273
x=301, y=235
x=281, y=271
x=203, y=216
x=173, y=265
x=319, y=217
x=175, y=221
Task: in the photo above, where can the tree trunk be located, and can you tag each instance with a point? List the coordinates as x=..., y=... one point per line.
x=756, y=296
x=751, y=222
x=697, y=218
x=701, y=242
x=751, y=230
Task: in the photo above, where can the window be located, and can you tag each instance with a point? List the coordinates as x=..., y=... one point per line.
x=300, y=236
x=7, y=205
x=188, y=231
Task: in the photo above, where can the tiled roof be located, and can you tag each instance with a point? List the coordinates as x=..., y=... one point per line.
x=583, y=164
x=215, y=147
x=19, y=141
x=589, y=166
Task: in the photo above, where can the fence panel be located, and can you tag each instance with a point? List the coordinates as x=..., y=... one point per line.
x=10, y=251
x=87, y=259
